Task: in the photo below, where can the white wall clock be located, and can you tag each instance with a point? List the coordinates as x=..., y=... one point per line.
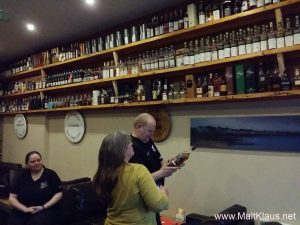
x=74, y=126
x=20, y=126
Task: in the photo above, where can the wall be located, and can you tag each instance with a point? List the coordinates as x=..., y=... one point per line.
x=211, y=180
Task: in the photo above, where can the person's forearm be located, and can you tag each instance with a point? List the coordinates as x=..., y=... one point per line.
x=157, y=175
x=18, y=205
x=53, y=200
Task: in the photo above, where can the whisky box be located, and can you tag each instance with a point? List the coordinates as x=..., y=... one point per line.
x=192, y=14
x=250, y=78
x=190, y=86
x=229, y=80
x=240, y=79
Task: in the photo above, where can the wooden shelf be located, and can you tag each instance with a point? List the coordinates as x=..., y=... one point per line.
x=176, y=36
x=174, y=71
x=205, y=100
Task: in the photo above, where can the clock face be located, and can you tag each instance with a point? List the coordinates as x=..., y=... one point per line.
x=20, y=126
x=74, y=126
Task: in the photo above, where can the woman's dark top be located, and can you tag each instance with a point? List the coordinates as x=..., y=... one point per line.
x=36, y=193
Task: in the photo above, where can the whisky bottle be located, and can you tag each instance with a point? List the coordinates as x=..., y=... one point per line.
x=286, y=81
x=227, y=8
x=236, y=7
x=207, y=50
x=217, y=80
x=220, y=47
x=214, y=50
x=205, y=87
x=288, y=35
x=191, y=53
x=179, y=159
x=165, y=90
x=280, y=35
x=227, y=52
x=241, y=43
x=297, y=78
x=197, y=52
x=252, y=4
x=261, y=80
x=268, y=2
x=171, y=92
x=176, y=20
x=233, y=45
x=210, y=86
x=209, y=13
x=201, y=13
x=201, y=50
x=186, y=58
x=245, y=6
x=199, y=88
x=297, y=31
x=276, y=83
x=250, y=78
x=216, y=11
x=256, y=39
x=185, y=20
x=180, y=21
x=272, y=43
x=171, y=22
x=154, y=90
x=172, y=56
x=263, y=39
x=223, y=86
x=229, y=80
x=260, y=3
x=249, y=41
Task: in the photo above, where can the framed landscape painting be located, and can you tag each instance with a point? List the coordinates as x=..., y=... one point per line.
x=258, y=133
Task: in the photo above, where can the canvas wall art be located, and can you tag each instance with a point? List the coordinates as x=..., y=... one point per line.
x=258, y=133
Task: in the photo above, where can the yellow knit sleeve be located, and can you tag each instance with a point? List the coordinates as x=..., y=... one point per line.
x=149, y=191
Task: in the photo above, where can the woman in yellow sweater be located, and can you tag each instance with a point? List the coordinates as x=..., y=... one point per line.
x=128, y=189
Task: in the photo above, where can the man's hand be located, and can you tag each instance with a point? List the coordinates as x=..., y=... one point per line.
x=164, y=190
x=29, y=210
x=167, y=171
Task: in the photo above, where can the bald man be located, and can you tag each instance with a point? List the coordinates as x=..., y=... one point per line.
x=145, y=151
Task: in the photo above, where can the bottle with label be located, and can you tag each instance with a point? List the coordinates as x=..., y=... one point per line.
x=179, y=159
x=233, y=45
x=245, y=6
x=154, y=90
x=227, y=8
x=227, y=48
x=217, y=80
x=220, y=47
x=263, y=39
x=250, y=78
x=280, y=35
x=272, y=43
x=297, y=31
x=207, y=49
x=186, y=57
x=252, y=4
x=210, y=86
x=260, y=3
x=241, y=43
x=209, y=13
x=297, y=78
x=286, y=81
x=165, y=90
x=249, y=41
x=214, y=49
x=236, y=7
x=205, y=87
x=288, y=35
x=201, y=12
x=256, y=39
x=268, y=2
x=199, y=88
x=276, y=83
x=261, y=80
x=216, y=11
x=186, y=20
x=191, y=53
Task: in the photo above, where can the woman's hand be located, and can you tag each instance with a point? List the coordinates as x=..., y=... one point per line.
x=29, y=210
x=164, y=190
x=37, y=209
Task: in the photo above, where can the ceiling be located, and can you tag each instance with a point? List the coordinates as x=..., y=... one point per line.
x=60, y=21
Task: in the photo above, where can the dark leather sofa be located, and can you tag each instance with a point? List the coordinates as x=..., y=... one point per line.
x=5, y=167
x=78, y=206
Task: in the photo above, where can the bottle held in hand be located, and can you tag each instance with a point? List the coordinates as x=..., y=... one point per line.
x=179, y=159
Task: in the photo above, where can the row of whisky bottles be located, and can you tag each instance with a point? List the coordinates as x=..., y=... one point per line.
x=176, y=19
x=237, y=79
x=229, y=44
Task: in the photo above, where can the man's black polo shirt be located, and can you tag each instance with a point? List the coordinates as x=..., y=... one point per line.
x=148, y=155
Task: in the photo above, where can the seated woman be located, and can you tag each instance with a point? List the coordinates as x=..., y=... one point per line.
x=35, y=194
x=128, y=189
